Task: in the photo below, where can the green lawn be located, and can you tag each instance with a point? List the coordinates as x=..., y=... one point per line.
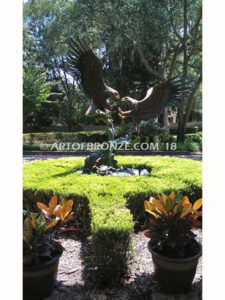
x=109, y=206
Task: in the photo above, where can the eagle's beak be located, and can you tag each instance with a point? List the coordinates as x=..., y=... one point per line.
x=118, y=96
x=123, y=100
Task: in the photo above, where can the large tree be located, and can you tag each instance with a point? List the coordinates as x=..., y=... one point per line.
x=144, y=41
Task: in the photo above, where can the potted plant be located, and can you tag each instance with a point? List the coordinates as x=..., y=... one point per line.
x=41, y=252
x=175, y=251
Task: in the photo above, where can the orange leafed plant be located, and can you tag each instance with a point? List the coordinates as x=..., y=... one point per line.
x=62, y=211
x=37, y=239
x=171, y=222
x=40, y=228
x=167, y=205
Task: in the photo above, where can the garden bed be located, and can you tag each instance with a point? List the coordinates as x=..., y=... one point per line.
x=75, y=275
x=108, y=207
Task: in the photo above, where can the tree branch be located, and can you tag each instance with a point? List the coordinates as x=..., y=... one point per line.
x=173, y=63
x=193, y=33
x=195, y=27
x=190, y=100
x=60, y=77
x=144, y=61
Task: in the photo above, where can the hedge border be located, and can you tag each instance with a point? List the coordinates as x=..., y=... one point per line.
x=111, y=205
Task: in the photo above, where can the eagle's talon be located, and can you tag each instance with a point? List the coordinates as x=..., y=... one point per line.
x=120, y=110
x=122, y=116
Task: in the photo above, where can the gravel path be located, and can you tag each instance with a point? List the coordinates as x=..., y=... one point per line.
x=74, y=279
x=32, y=157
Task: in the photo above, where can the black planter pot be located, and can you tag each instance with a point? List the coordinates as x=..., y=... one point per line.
x=175, y=275
x=39, y=280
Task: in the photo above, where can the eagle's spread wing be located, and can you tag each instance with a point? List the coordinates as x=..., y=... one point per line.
x=85, y=65
x=156, y=100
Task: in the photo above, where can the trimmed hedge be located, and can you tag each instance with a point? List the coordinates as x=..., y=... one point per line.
x=110, y=206
x=32, y=141
x=192, y=143
x=97, y=136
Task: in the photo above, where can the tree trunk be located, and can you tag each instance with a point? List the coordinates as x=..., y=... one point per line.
x=166, y=122
x=181, y=123
x=181, y=105
x=190, y=100
x=70, y=112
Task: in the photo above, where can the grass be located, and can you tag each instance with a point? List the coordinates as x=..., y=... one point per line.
x=109, y=206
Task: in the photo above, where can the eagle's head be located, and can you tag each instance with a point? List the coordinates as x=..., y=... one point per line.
x=111, y=92
x=129, y=100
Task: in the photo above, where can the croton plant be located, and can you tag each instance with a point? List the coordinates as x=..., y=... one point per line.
x=61, y=212
x=39, y=229
x=170, y=225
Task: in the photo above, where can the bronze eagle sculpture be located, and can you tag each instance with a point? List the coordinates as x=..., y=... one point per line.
x=155, y=101
x=86, y=66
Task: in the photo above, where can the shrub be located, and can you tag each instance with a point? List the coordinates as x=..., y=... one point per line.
x=32, y=141
x=147, y=131
x=196, y=138
x=171, y=220
x=193, y=142
x=81, y=208
x=191, y=146
x=98, y=136
x=102, y=203
x=38, y=243
x=188, y=130
x=111, y=240
x=39, y=229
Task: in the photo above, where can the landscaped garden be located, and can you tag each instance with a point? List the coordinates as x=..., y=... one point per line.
x=103, y=83
x=109, y=209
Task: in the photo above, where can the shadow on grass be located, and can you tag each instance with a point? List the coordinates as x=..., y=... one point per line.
x=139, y=167
x=72, y=171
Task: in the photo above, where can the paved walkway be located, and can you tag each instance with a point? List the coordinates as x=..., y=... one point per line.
x=32, y=157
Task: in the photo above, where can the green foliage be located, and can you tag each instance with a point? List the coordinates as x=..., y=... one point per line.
x=188, y=130
x=192, y=146
x=100, y=202
x=36, y=243
x=36, y=89
x=32, y=141
x=197, y=138
x=111, y=231
x=98, y=136
x=171, y=220
x=116, y=30
x=193, y=143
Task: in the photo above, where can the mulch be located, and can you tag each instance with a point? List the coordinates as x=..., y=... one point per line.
x=75, y=273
